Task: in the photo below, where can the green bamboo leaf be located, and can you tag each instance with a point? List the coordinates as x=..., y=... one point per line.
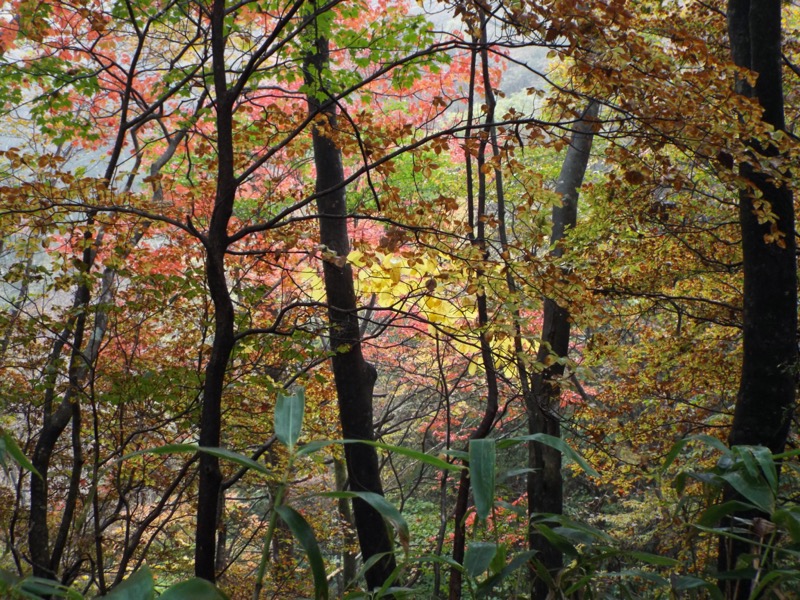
x=653, y=559
x=39, y=587
x=714, y=514
x=789, y=518
x=416, y=455
x=553, y=442
x=235, y=457
x=482, y=474
x=9, y=446
x=766, y=461
x=193, y=589
x=685, y=583
x=752, y=489
x=314, y=446
x=138, y=586
x=305, y=535
x=478, y=557
x=559, y=541
x=523, y=559
x=289, y=417
x=384, y=507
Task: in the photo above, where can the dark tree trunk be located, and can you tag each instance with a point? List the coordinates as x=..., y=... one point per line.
x=349, y=568
x=354, y=376
x=766, y=396
x=545, y=484
x=210, y=480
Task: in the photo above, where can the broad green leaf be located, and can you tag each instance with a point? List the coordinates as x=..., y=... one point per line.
x=478, y=557
x=559, y=541
x=289, y=417
x=481, y=469
x=714, y=514
x=641, y=574
x=753, y=489
x=138, y=586
x=653, y=559
x=790, y=519
x=767, y=463
x=305, y=535
x=680, y=444
x=8, y=446
x=193, y=589
x=566, y=523
x=38, y=587
x=553, y=442
x=383, y=506
x=520, y=560
x=684, y=583
x=771, y=578
x=415, y=454
x=235, y=457
x=314, y=446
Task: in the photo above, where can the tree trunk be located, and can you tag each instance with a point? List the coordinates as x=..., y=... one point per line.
x=354, y=377
x=545, y=484
x=349, y=569
x=210, y=481
x=766, y=396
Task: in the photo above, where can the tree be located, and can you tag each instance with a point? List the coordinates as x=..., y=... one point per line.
x=545, y=483
x=766, y=397
x=354, y=377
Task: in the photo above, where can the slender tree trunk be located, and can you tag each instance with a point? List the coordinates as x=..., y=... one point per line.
x=354, y=377
x=766, y=397
x=545, y=483
x=477, y=215
x=210, y=481
x=349, y=569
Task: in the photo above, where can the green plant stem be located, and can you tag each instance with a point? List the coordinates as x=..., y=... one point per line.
x=273, y=521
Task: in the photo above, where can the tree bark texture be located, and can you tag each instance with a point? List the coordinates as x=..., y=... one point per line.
x=545, y=483
x=353, y=375
x=766, y=396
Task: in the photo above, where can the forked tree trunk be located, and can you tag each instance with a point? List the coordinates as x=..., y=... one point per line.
x=353, y=375
x=766, y=397
x=545, y=483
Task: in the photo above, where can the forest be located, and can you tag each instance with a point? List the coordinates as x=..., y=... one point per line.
x=388, y=299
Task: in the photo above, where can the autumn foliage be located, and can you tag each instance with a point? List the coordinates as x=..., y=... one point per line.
x=172, y=240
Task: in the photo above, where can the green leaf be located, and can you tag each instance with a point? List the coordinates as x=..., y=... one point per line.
x=559, y=541
x=193, y=589
x=684, y=583
x=519, y=560
x=766, y=461
x=481, y=468
x=138, y=586
x=653, y=559
x=314, y=446
x=8, y=446
x=753, y=489
x=790, y=519
x=553, y=442
x=305, y=535
x=383, y=506
x=38, y=587
x=416, y=455
x=478, y=557
x=714, y=514
x=289, y=417
x=235, y=457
